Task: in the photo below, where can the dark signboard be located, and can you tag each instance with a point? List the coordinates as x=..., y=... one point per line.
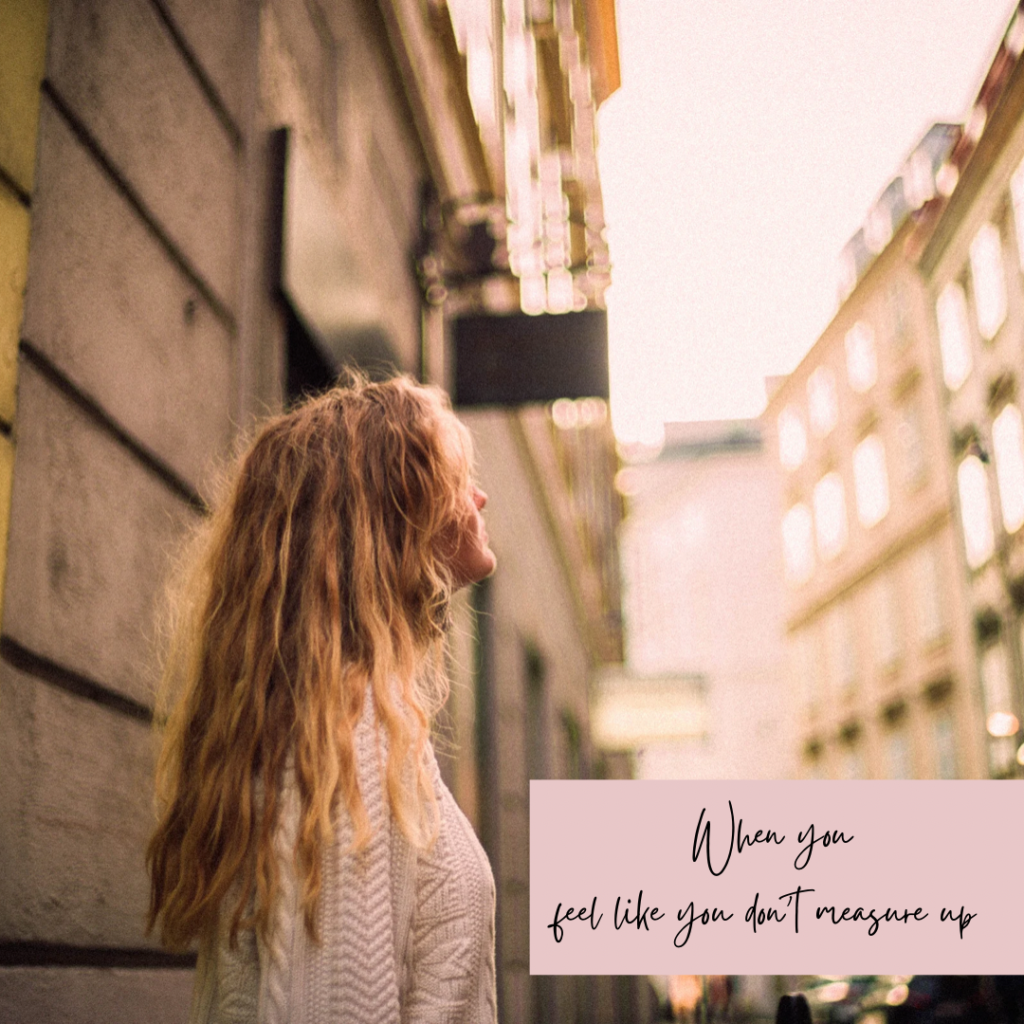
x=516, y=359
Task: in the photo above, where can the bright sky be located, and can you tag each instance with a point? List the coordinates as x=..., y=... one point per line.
x=745, y=147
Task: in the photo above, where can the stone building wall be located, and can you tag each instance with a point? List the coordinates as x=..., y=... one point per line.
x=151, y=333
x=141, y=213
x=128, y=387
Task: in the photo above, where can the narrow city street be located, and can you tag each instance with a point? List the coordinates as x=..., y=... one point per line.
x=404, y=401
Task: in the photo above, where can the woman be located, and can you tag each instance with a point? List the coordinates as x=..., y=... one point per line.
x=306, y=839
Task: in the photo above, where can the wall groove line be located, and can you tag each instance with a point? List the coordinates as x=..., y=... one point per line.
x=183, y=263
x=15, y=189
x=59, y=954
x=210, y=91
x=62, y=678
x=101, y=418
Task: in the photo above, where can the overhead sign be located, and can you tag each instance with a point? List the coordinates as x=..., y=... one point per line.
x=629, y=712
x=517, y=359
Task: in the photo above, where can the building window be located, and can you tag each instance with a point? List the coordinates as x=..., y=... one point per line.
x=989, y=280
x=899, y=316
x=797, y=543
x=1001, y=756
x=918, y=179
x=842, y=648
x=861, y=360
x=944, y=739
x=1017, y=194
x=995, y=683
x=897, y=755
x=910, y=431
x=822, y=401
x=888, y=643
x=975, y=511
x=1008, y=443
x=926, y=574
x=878, y=227
x=830, y=515
x=1001, y=722
x=792, y=439
x=954, y=335
x=853, y=764
x=806, y=672
x=870, y=482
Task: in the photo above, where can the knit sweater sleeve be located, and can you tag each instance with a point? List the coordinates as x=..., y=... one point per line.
x=359, y=970
x=353, y=974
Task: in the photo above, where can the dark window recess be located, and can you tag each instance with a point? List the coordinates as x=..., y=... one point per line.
x=318, y=344
x=312, y=371
x=987, y=626
x=850, y=732
x=309, y=371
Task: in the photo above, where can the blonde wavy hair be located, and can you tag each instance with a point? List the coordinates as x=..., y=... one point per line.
x=322, y=576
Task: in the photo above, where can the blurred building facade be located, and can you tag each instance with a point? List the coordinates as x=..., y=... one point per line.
x=970, y=253
x=903, y=607
x=208, y=208
x=703, y=605
x=877, y=631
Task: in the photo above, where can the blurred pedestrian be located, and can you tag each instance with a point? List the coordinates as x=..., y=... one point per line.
x=793, y=1009
x=305, y=838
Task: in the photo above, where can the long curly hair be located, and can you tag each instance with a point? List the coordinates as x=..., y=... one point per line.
x=320, y=578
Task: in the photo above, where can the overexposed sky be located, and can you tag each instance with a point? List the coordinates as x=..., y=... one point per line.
x=743, y=150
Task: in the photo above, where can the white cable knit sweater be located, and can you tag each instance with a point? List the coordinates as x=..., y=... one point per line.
x=405, y=937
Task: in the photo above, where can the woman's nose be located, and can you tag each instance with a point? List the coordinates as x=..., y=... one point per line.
x=479, y=498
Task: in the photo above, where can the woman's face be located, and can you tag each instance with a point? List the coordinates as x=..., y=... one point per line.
x=472, y=558
x=466, y=547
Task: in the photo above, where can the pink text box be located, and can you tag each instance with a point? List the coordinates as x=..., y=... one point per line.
x=944, y=859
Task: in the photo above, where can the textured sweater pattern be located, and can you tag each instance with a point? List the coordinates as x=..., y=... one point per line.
x=406, y=937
